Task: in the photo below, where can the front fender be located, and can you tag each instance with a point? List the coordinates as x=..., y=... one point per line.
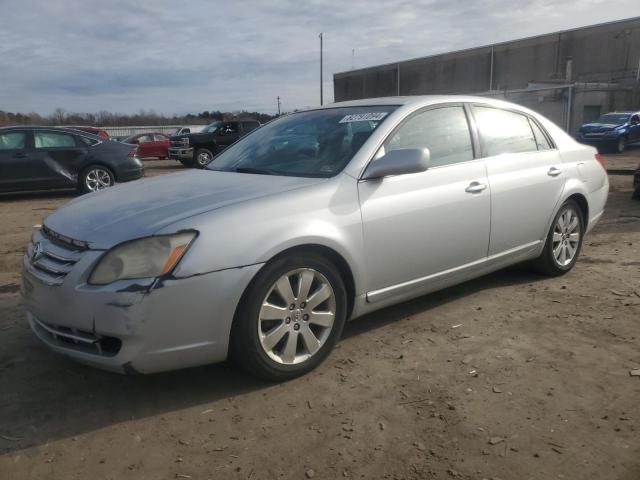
x=254, y=231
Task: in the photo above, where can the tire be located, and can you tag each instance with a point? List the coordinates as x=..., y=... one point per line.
x=551, y=261
x=256, y=327
x=202, y=157
x=95, y=178
x=621, y=145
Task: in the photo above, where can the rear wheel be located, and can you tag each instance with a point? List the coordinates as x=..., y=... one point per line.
x=96, y=177
x=290, y=318
x=203, y=157
x=564, y=241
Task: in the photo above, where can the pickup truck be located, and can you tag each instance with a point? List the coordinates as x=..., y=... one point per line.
x=199, y=149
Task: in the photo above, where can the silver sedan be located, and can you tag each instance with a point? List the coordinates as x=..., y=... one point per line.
x=315, y=218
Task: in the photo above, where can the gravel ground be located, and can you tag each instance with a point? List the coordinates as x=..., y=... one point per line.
x=512, y=376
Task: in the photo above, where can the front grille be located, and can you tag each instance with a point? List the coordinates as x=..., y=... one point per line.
x=182, y=142
x=79, y=340
x=52, y=258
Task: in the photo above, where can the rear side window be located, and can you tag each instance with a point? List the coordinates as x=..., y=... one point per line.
x=541, y=139
x=89, y=141
x=444, y=131
x=53, y=140
x=504, y=131
x=249, y=126
x=160, y=138
x=12, y=140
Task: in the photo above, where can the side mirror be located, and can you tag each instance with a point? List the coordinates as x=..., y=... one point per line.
x=399, y=162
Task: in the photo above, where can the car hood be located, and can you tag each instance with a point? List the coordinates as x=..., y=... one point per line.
x=599, y=127
x=144, y=207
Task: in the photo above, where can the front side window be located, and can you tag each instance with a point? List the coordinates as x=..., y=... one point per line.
x=160, y=138
x=54, y=140
x=503, y=131
x=444, y=131
x=249, y=126
x=12, y=140
x=317, y=143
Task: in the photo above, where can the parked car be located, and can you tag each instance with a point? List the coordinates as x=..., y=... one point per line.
x=198, y=149
x=153, y=144
x=612, y=131
x=100, y=132
x=264, y=255
x=46, y=158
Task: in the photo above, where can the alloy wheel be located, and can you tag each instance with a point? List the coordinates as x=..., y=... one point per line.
x=203, y=159
x=98, y=179
x=296, y=316
x=566, y=237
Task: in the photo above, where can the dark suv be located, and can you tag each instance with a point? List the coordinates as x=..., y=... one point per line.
x=198, y=149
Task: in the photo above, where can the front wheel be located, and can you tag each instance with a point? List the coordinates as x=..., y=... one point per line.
x=290, y=317
x=203, y=157
x=564, y=241
x=621, y=145
x=96, y=177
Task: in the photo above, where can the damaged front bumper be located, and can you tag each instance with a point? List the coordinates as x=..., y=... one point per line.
x=144, y=326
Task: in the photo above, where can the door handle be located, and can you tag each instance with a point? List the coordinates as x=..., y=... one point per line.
x=475, y=187
x=19, y=155
x=554, y=172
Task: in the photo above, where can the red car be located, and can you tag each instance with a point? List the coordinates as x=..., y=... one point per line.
x=150, y=144
x=94, y=130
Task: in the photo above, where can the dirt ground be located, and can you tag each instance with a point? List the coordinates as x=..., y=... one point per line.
x=512, y=376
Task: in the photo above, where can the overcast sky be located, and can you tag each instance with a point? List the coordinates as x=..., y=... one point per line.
x=189, y=56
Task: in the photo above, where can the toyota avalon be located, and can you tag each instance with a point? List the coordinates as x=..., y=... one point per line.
x=317, y=217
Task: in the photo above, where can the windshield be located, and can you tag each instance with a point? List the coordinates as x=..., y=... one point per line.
x=211, y=128
x=129, y=139
x=613, y=118
x=317, y=143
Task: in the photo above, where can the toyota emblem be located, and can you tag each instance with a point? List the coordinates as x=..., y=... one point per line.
x=37, y=252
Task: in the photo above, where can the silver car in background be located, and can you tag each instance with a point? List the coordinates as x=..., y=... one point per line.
x=315, y=218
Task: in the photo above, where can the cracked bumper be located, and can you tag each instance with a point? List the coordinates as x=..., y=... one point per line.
x=149, y=326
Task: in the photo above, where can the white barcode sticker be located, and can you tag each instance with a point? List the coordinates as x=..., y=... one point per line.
x=363, y=117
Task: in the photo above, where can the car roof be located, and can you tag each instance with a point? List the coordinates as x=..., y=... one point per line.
x=71, y=131
x=418, y=100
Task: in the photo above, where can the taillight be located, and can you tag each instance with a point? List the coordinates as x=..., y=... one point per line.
x=600, y=160
x=133, y=152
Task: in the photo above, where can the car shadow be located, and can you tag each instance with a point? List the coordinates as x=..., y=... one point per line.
x=46, y=397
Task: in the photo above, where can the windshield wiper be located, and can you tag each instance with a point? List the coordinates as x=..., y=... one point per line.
x=258, y=171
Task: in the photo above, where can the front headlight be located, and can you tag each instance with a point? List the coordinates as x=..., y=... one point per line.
x=142, y=258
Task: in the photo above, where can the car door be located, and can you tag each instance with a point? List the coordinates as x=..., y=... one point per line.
x=420, y=229
x=145, y=146
x=56, y=158
x=14, y=161
x=227, y=134
x=161, y=144
x=634, y=128
x=526, y=178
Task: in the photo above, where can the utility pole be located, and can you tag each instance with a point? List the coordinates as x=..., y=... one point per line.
x=321, y=100
x=278, y=105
